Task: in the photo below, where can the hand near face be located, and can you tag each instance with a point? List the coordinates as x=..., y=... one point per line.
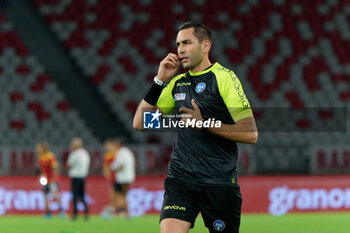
x=168, y=67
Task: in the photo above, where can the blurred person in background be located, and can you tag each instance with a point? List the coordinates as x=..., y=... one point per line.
x=202, y=173
x=124, y=166
x=78, y=164
x=49, y=175
x=108, y=158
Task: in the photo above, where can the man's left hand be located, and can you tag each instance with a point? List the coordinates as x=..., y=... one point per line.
x=190, y=114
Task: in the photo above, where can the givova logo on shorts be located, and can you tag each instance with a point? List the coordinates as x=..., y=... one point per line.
x=174, y=207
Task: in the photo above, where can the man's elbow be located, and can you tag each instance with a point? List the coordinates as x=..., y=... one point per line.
x=253, y=138
x=137, y=125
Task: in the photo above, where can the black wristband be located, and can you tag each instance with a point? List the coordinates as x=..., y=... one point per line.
x=153, y=94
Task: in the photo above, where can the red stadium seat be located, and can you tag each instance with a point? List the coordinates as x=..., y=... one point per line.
x=29, y=119
x=17, y=125
x=345, y=95
x=14, y=161
x=131, y=106
x=64, y=156
x=151, y=158
x=303, y=124
x=325, y=114
x=37, y=87
x=119, y=87
x=43, y=115
x=40, y=113
x=309, y=56
x=127, y=64
x=294, y=100
x=28, y=159
x=63, y=106
x=43, y=78
x=23, y=69
x=16, y=96
x=99, y=76
x=34, y=106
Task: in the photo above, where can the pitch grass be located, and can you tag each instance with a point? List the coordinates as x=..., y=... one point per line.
x=291, y=223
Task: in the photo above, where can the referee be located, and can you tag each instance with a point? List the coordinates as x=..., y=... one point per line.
x=78, y=164
x=202, y=173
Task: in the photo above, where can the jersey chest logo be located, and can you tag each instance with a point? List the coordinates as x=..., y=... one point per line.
x=179, y=96
x=200, y=87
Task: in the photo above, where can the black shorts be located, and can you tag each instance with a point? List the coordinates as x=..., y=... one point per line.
x=121, y=188
x=220, y=205
x=48, y=188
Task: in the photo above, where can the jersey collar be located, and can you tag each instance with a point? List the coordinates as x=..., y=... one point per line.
x=204, y=71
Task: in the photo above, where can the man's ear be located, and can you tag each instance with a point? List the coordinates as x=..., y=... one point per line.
x=206, y=46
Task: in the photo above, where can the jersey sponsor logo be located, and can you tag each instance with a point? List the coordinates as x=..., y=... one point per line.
x=183, y=84
x=174, y=207
x=151, y=120
x=200, y=87
x=179, y=96
x=238, y=87
x=219, y=225
x=245, y=104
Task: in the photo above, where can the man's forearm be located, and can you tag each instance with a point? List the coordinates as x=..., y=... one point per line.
x=244, y=131
x=106, y=172
x=138, y=118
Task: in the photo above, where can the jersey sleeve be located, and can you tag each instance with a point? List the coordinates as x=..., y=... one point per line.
x=53, y=161
x=232, y=93
x=71, y=159
x=106, y=158
x=166, y=101
x=116, y=163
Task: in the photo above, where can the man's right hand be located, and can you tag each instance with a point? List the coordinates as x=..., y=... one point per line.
x=168, y=67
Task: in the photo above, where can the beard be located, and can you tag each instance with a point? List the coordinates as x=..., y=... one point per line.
x=191, y=63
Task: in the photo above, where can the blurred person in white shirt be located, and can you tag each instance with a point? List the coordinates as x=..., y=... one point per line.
x=78, y=164
x=124, y=166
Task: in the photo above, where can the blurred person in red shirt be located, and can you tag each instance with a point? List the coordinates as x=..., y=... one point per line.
x=108, y=158
x=49, y=176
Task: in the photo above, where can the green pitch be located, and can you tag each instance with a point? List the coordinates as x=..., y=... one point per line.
x=291, y=223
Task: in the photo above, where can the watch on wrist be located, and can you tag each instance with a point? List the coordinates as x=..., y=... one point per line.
x=158, y=82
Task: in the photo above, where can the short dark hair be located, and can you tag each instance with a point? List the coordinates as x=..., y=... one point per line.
x=200, y=31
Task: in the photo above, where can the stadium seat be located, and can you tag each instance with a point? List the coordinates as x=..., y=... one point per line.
x=266, y=28
x=289, y=54
x=31, y=98
x=16, y=96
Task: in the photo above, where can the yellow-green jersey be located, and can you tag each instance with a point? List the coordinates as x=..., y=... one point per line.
x=201, y=157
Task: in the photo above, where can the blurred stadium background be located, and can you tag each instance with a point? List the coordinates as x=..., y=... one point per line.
x=79, y=68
